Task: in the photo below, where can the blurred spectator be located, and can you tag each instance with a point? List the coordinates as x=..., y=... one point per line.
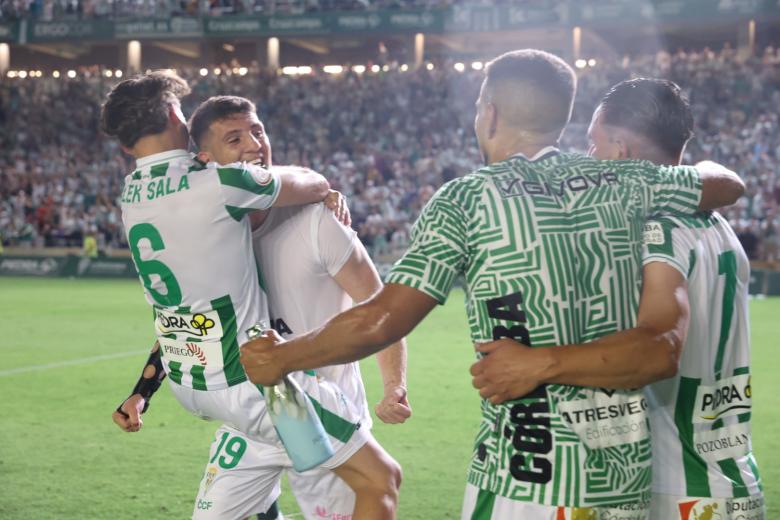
x=387, y=140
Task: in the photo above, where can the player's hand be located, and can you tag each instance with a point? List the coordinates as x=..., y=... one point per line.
x=260, y=358
x=337, y=203
x=394, y=407
x=129, y=419
x=509, y=370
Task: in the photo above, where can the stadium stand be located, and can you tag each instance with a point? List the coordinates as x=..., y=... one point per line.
x=387, y=144
x=67, y=9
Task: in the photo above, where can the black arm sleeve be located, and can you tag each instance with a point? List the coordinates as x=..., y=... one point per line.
x=150, y=380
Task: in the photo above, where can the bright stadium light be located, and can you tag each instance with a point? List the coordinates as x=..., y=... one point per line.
x=204, y=72
x=375, y=68
x=333, y=69
x=108, y=72
x=477, y=65
x=11, y=73
x=242, y=71
x=359, y=69
x=386, y=68
x=429, y=66
x=591, y=62
x=304, y=70
x=404, y=67
x=289, y=71
x=460, y=67
x=22, y=74
x=55, y=74
x=118, y=73
x=580, y=63
x=71, y=73
x=217, y=71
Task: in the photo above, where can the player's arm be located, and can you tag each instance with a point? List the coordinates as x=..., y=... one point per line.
x=688, y=189
x=128, y=414
x=352, y=335
x=420, y=280
x=299, y=186
x=720, y=186
x=360, y=280
x=628, y=359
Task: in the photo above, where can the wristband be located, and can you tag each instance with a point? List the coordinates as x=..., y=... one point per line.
x=150, y=380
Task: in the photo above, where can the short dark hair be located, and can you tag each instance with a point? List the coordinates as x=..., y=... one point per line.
x=652, y=108
x=138, y=106
x=551, y=80
x=214, y=109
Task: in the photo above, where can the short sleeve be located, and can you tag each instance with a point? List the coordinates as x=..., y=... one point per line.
x=438, y=250
x=246, y=187
x=668, y=242
x=335, y=241
x=673, y=189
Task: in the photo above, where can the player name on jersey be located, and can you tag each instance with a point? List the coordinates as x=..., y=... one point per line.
x=134, y=192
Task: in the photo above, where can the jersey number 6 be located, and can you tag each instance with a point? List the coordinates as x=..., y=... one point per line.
x=147, y=268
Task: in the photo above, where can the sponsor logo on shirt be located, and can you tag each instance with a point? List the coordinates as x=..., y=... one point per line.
x=207, y=354
x=654, y=234
x=204, y=326
x=607, y=419
x=516, y=187
x=281, y=327
x=747, y=508
x=728, y=442
x=637, y=511
x=727, y=398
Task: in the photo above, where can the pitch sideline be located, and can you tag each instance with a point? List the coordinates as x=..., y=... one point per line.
x=72, y=362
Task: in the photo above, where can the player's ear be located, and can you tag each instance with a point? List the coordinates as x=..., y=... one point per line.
x=621, y=148
x=491, y=113
x=175, y=115
x=204, y=157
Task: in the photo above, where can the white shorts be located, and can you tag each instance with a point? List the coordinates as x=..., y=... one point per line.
x=672, y=507
x=322, y=495
x=241, y=480
x=488, y=506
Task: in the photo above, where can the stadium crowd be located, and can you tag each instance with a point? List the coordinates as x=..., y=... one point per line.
x=48, y=10
x=387, y=140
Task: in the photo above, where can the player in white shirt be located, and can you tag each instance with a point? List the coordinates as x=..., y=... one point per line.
x=312, y=267
x=702, y=448
x=190, y=238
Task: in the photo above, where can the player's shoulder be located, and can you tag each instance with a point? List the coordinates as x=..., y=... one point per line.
x=461, y=189
x=699, y=220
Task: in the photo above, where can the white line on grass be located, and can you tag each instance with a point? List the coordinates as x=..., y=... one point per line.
x=79, y=361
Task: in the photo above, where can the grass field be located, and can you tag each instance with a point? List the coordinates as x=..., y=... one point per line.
x=71, y=350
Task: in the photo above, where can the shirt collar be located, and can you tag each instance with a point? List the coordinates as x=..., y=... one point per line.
x=161, y=157
x=544, y=153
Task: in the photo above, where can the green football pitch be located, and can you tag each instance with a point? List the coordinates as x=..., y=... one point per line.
x=71, y=350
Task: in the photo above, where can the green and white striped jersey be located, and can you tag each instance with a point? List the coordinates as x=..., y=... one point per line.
x=551, y=251
x=191, y=243
x=701, y=418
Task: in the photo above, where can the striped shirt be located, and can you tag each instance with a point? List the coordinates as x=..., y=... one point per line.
x=702, y=443
x=190, y=239
x=550, y=249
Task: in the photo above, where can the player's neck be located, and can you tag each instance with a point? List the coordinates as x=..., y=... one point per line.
x=158, y=143
x=505, y=150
